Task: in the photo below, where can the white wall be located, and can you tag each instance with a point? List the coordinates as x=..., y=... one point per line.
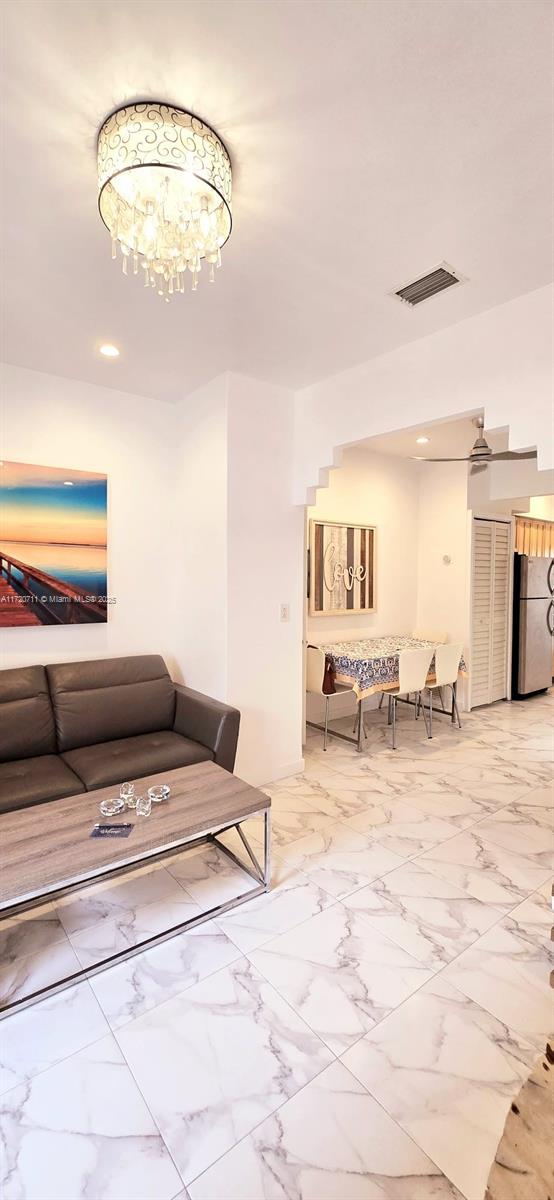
x=265, y=564
x=518, y=478
x=198, y=531
x=63, y=423
x=443, y=589
x=541, y=507
x=373, y=489
x=499, y=361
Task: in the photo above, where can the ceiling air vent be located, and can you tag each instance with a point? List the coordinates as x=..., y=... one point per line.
x=429, y=285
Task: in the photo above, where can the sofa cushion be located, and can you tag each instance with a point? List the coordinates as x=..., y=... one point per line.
x=131, y=758
x=26, y=717
x=110, y=698
x=31, y=780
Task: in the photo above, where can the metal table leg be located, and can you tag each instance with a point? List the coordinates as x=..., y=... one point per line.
x=267, y=849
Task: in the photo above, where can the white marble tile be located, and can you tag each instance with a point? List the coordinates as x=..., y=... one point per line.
x=109, y=937
x=498, y=777
x=484, y=870
x=293, y=898
x=292, y=818
x=509, y=976
x=339, y=859
x=82, y=1129
x=381, y=774
x=523, y=829
x=43, y=1034
x=402, y=828
x=446, y=1071
x=30, y=932
x=339, y=974
x=542, y=797
x=105, y=901
x=23, y=976
x=363, y=787
x=509, y=738
x=534, y=918
x=209, y=876
x=215, y=1061
x=430, y=918
x=148, y=979
x=450, y=805
x=331, y=795
x=330, y=1142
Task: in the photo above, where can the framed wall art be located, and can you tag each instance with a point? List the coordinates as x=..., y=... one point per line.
x=342, y=569
x=53, y=546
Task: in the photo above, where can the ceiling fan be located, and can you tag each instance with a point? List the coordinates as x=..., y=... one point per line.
x=481, y=454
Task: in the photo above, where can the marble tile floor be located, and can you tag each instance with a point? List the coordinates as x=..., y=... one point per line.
x=357, y=1034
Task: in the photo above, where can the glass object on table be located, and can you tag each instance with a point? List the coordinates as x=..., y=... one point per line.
x=143, y=806
x=109, y=808
x=127, y=794
x=158, y=793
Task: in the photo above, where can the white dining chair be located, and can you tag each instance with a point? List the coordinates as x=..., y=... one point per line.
x=447, y=664
x=424, y=635
x=315, y=675
x=413, y=669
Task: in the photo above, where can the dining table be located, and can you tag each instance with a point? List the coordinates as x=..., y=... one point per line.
x=372, y=664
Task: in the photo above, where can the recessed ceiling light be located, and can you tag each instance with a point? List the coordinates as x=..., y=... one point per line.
x=422, y=441
x=109, y=351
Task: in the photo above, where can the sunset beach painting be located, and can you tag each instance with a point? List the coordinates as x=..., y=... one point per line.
x=53, y=546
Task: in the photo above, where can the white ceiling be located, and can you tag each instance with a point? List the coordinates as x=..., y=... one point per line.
x=447, y=439
x=371, y=140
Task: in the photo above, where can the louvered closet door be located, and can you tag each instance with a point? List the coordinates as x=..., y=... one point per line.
x=491, y=589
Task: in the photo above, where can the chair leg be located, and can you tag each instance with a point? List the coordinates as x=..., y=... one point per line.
x=430, y=733
x=393, y=722
x=389, y=718
x=455, y=706
x=326, y=722
x=422, y=707
x=360, y=725
x=381, y=700
x=442, y=699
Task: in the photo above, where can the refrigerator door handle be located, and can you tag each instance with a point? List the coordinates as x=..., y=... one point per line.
x=549, y=577
x=550, y=618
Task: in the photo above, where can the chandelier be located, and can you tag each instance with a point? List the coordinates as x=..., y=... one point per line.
x=164, y=180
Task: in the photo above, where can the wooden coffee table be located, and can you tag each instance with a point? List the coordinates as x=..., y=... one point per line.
x=46, y=851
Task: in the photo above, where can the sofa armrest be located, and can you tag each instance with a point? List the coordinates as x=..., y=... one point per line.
x=213, y=724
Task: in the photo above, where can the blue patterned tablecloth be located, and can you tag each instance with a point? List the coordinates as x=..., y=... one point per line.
x=371, y=664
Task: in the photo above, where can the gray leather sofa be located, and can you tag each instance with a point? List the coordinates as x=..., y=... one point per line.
x=71, y=727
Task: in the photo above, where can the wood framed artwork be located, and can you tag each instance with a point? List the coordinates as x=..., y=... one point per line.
x=53, y=546
x=342, y=569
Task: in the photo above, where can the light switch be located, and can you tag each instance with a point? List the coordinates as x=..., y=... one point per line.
x=284, y=612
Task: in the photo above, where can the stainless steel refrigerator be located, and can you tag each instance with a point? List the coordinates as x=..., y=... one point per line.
x=533, y=624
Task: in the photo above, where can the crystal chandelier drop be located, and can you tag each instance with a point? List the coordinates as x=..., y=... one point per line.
x=164, y=180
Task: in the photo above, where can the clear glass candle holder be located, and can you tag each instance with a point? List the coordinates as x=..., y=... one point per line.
x=109, y=808
x=143, y=806
x=159, y=792
x=127, y=794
